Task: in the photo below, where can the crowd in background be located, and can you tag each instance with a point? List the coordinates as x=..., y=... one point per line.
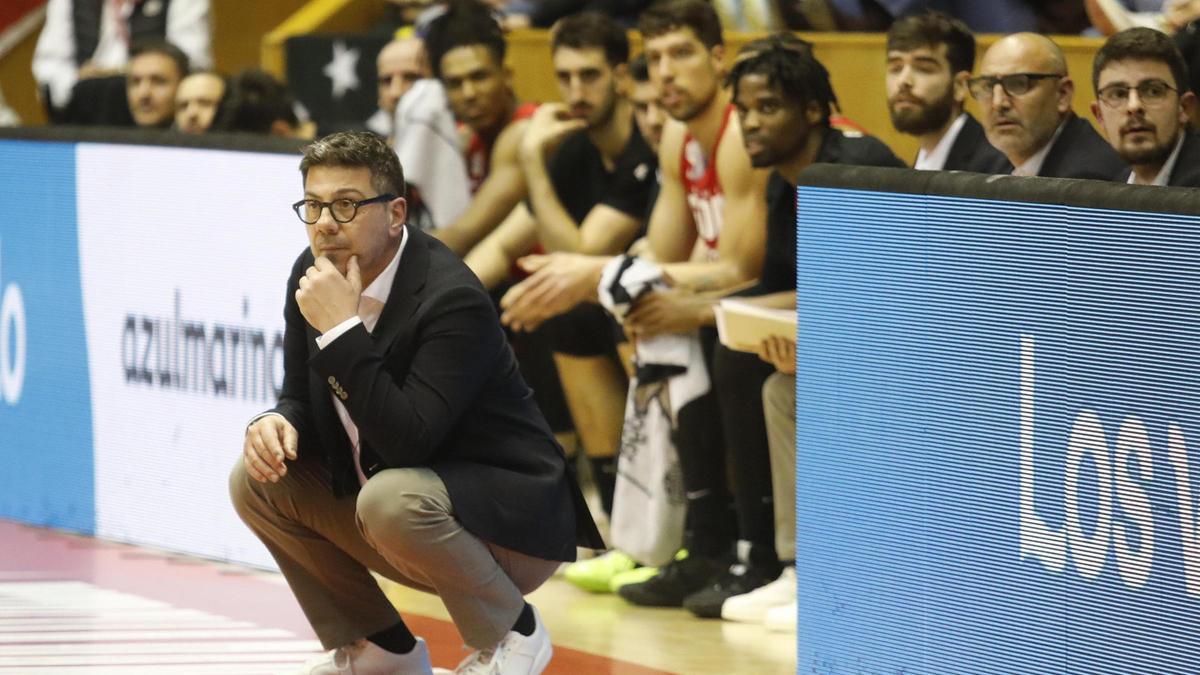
x=610, y=225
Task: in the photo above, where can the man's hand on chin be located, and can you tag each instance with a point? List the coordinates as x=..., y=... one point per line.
x=326, y=298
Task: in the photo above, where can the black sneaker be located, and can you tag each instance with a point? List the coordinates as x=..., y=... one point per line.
x=679, y=578
x=738, y=579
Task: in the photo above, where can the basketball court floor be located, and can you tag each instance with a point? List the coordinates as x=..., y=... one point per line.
x=75, y=605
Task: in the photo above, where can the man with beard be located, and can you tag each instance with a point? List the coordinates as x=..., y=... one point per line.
x=1025, y=92
x=590, y=175
x=154, y=73
x=1142, y=99
x=929, y=60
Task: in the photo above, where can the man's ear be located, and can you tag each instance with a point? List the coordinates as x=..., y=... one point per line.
x=813, y=114
x=961, y=89
x=717, y=54
x=1066, y=92
x=1187, y=107
x=1098, y=113
x=621, y=80
x=399, y=208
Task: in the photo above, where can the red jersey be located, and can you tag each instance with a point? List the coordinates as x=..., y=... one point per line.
x=479, y=149
x=703, y=186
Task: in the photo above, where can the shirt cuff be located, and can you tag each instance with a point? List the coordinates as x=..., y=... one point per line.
x=334, y=333
x=262, y=415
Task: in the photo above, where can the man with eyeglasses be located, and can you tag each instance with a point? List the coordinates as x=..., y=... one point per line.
x=929, y=60
x=405, y=441
x=1142, y=98
x=1025, y=93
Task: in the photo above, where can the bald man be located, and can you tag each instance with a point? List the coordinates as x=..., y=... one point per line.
x=1024, y=93
x=400, y=64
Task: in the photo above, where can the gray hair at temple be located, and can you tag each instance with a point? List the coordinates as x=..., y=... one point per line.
x=357, y=149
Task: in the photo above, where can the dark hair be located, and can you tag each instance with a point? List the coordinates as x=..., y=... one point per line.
x=795, y=72
x=357, y=149
x=1141, y=44
x=931, y=29
x=163, y=47
x=694, y=14
x=255, y=100
x=638, y=69
x=465, y=23
x=592, y=30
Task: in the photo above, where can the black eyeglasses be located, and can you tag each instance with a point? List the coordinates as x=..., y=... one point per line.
x=343, y=210
x=1015, y=84
x=1150, y=92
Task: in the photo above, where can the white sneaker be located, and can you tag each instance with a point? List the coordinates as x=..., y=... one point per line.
x=752, y=607
x=367, y=658
x=515, y=655
x=781, y=619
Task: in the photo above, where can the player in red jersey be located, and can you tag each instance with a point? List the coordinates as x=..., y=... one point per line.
x=466, y=49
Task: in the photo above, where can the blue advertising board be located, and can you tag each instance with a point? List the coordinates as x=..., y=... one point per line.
x=997, y=405
x=45, y=399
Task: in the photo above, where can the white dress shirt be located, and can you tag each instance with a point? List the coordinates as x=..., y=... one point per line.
x=936, y=160
x=370, y=307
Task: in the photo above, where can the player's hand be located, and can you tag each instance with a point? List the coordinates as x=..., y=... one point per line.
x=779, y=352
x=666, y=311
x=270, y=440
x=326, y=298
x=559, y=282
x=547, y=128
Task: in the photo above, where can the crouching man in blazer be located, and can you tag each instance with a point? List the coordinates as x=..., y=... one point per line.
x=404, y=441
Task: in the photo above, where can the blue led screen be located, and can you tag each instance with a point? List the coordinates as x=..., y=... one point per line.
x=997, y=429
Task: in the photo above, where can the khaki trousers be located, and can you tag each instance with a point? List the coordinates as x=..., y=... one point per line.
x=401, y=525
x=779, y=410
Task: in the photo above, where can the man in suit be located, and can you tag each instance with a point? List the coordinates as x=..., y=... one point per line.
x=1142, y=98
x=1025, y=93
x=404, y=441
x=929, y=60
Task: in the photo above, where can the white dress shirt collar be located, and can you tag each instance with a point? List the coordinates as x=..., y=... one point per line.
x=1033, y=165
x=936, y=160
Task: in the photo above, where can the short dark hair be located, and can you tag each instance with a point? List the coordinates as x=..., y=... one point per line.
x=592, y=30
x=694, y=14
x=1144, y=44
x=796, y=73
x=163, y=47
x=357, y=149
x=254, y=101
x=639, y=70
x=931, y=29
x=465, y=23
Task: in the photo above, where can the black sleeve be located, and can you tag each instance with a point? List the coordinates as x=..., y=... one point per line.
x=458, y=342
x=634, y=179
x=293, y=401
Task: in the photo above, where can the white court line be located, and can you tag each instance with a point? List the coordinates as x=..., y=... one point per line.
x=230, y=647
x=13, y=614
x=110, y=635
x=90, y=625
x=122, y=619
x=149, y=659
x=223, y=669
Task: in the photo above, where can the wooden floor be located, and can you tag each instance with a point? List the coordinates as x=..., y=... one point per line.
x=72, y=605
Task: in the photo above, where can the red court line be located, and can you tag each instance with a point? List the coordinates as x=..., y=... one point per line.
x=43, y=555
